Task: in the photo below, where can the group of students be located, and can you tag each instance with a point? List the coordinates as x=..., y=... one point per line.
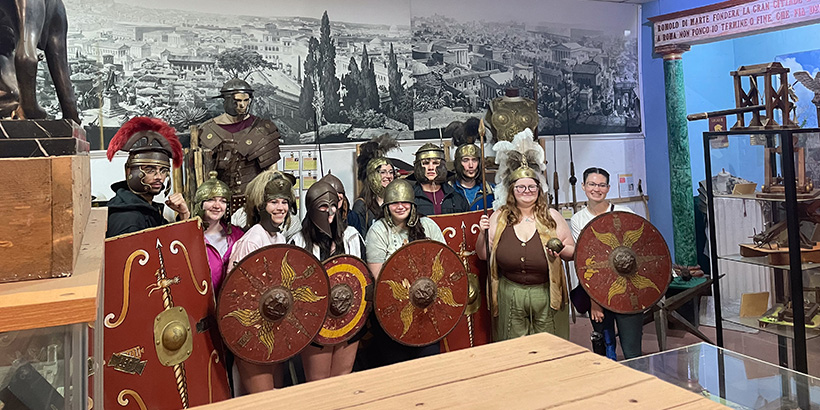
x=527, y=281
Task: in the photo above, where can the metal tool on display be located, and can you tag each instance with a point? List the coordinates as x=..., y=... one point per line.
x=572, y=179
x=350, y=299
x=623, y=262
x=421, y=293
x=273, y=304
x=555, y=169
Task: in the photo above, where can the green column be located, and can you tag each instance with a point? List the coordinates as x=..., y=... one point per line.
x=683, y=208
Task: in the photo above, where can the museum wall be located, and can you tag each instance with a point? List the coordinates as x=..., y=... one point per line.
x=708, y=87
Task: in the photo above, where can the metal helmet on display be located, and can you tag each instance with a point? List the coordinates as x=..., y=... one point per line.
x=149, y=142
x=229, y=89
x=210, y=189
x=321, y=194
x=430, y=151
x=400, y=190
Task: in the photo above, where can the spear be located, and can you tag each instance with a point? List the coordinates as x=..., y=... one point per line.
x=572, y=179
x=555, y=168
x=481, y=131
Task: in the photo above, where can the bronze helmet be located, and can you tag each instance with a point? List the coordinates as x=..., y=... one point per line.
x=430, y=151
x=336, y=183
x=374, y=179
x=279, y=186
x=466, y=150
x=318, y=195
x=400, y=190
x=149, y=142
x=210, y=189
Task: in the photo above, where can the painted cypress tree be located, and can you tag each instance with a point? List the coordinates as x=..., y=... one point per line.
x=351, y=84
x=308, y=92
x=394, y=79
x=328, y=82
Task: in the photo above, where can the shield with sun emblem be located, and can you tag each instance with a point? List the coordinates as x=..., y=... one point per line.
x=349, y=302
x=421, y=293
x=272, y=304
x=623, y=262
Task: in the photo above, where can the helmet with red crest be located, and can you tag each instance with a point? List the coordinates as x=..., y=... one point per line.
x=152, y=146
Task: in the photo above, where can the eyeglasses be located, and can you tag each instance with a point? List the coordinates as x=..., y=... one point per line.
x=594, y=185
x=524, y=188
x=153, y=170
x=384, y=172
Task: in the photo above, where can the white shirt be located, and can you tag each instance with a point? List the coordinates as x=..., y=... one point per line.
x=351, y=239
x=582, y=218
x=256, y=237
x=382, y=240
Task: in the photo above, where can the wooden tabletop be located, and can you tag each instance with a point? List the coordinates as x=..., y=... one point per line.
x=533, y=372
x=59, y=301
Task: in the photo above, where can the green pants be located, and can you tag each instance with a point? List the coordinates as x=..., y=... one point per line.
x=525, y=310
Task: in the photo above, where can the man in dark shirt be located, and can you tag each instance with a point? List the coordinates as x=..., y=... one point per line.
x=151, y=145
x=433, y=195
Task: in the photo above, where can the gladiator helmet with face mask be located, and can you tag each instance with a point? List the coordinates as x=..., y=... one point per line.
x=231, y=87
x=149, y=142
x=336, y=183
x=430, y=151
x=400, y=190
x=321, y=194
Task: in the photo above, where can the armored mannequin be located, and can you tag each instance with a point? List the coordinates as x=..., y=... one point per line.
x=511, y=114
x=241, y=145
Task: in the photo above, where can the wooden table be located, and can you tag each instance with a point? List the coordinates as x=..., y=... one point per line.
x=539, y=371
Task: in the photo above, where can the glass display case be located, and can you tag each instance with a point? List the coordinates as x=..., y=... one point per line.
x=776, y=169
x=46, y=333
x=732, y=379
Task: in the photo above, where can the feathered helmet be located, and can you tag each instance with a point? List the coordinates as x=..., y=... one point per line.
x=520, y=158
x=264, y=187
x=210, y=189
x=148, y=141
x=371, y=157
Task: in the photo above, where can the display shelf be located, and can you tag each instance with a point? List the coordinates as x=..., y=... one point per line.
x=754, y=197
x=780, y=330
x=59, y=301
x=763, y=261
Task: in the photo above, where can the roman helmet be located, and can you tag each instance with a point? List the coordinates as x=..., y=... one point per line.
x=430, y=151
x=318, y=195
x=210, y=189
x=231, y=87
x=520, y=158
x=265, y=187
x=467, y=150
x=400, y=190
x=149, y=142
x=336, y=183
x=371, y=158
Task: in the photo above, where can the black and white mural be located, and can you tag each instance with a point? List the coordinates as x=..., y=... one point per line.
x=362, y=68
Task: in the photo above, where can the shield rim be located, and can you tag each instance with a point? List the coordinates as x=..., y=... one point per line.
x=376, y=293
x=368, y=305
x=667, y=252
x=234, y=270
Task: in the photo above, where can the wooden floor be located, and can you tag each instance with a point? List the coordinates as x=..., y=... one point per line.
x=534, y=372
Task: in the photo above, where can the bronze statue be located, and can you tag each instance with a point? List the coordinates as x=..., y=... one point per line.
x=25, y=26
x=241, y=145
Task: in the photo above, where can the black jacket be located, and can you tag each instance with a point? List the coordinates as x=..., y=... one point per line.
x=452, y=203
x=129, y=212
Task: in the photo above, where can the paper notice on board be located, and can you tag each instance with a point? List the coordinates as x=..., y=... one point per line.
x=308, y=161
x=626, y=186
x=291, y=163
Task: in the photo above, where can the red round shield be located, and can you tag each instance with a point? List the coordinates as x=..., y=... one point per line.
x=623, y=262
x=272, y=304
x=421, y=293
x=348, y=309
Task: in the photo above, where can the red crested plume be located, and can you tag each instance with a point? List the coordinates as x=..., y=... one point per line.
x=137, y=124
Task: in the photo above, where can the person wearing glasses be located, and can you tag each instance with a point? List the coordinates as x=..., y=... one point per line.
x=151, y=145
x=630, y=326
x=528, y=292
x=400, y=225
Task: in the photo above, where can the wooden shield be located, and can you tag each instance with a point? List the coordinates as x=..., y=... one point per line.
x=623, y=262
x=421, y=293
x=347, y=308
x=475, y=327
x=272, y=304
x=160, y=346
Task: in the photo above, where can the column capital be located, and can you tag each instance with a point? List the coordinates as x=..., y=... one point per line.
x=672, y=51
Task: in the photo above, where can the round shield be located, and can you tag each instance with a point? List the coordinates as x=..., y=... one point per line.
x=348, y=309
x=623, y=262
x=421, y=293
x=272, y=304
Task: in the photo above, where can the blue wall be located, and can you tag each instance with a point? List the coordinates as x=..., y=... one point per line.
x=709, y=87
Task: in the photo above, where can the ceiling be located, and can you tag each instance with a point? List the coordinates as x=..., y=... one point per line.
x=627, y=1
